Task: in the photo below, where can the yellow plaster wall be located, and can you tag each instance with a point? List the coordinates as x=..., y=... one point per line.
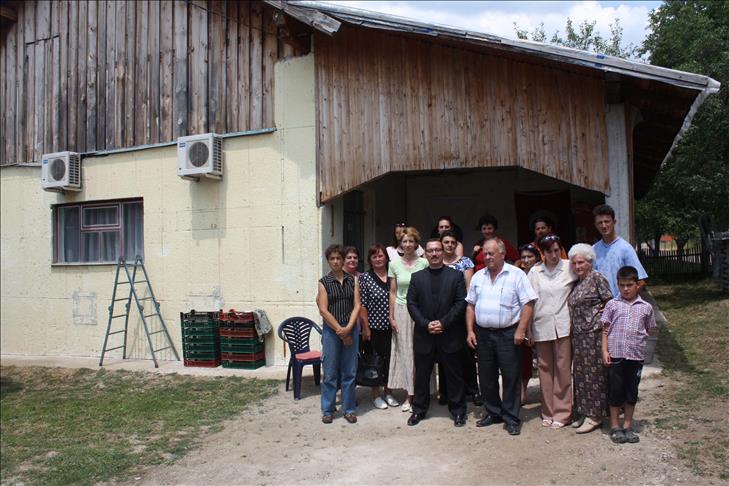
x=249, y=241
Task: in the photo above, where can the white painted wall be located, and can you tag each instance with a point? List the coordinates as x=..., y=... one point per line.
x=248, y=241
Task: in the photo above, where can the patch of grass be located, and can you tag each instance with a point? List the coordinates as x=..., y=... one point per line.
x=61, y=426
x=694, y=349
x=696, y=341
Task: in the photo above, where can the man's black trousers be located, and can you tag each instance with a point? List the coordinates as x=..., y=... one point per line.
x=451, y=363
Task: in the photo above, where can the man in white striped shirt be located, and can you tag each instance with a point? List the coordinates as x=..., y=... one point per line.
x=500, y=307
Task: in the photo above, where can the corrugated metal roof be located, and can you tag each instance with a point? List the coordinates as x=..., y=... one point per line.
x=591, y=60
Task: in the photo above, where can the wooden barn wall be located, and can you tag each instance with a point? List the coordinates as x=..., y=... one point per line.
x=94, y=75
x=391, y=103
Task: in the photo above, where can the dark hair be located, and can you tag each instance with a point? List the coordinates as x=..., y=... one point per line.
x=433, y=240
x=628, y=272
x=372, y=251
x=454, y=227
x=531, y=249
x=396, y=241
x=450, y=233
x=547, y=241
x=350, y=249
x=487, y=219
x=544, y=219
x=335, y=248
x=447, y=218
x=603, y=210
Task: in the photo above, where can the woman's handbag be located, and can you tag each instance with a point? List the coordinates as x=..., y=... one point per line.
x=370, y=369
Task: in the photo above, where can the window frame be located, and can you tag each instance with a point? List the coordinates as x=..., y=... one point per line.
x=98, y=229
x=101, y=227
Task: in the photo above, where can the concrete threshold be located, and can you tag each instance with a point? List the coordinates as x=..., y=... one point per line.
x=274, y=372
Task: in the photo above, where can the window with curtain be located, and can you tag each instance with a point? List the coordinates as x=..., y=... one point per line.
x=98, y=232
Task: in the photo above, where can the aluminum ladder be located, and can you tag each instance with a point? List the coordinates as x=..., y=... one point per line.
x=132, y=282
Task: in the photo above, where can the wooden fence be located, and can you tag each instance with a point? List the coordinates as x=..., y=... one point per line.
x=661, y=262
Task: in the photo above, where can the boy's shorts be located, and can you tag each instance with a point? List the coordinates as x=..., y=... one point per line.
x=623, y=380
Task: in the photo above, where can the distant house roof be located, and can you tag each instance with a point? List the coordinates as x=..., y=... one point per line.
x=667, y=98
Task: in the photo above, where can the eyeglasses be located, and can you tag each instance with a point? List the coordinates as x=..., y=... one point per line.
x=400, y=225
x=551, y=238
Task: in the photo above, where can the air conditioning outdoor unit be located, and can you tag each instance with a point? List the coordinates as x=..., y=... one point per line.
x=200, y=155
x=61, y=171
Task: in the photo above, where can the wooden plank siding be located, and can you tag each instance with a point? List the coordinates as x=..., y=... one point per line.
x=389, y=103
x=94, y=75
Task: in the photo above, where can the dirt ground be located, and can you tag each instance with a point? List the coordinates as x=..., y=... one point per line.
x=282, y=441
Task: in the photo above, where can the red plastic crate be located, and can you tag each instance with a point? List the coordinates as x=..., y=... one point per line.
x=243, y=356
x=234, y=318
x=238, y=332
x=203, y=363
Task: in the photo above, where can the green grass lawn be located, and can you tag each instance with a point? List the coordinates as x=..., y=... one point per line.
x=694, y=350
x=62, y=426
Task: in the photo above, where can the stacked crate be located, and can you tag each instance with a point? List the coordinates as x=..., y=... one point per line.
x=200, y=339
x=239, y=344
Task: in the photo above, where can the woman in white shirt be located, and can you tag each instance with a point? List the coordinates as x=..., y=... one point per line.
x=553, y=280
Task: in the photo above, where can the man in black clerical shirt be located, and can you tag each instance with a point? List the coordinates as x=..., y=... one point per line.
x=436, y=302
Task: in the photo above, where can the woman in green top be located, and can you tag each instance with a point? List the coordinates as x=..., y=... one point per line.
x=402, y=364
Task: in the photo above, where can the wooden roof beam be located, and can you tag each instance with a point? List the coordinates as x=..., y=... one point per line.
x=313, y=18
x=8, y=13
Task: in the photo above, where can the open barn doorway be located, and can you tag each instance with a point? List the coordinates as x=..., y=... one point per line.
x=514, y=196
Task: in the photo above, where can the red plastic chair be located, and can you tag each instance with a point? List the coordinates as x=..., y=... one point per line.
x=295, y=331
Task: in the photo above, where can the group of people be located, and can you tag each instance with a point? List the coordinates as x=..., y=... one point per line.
x=485, y=316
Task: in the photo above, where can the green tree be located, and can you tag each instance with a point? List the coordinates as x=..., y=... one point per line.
x=584, y=37
x=693, y=186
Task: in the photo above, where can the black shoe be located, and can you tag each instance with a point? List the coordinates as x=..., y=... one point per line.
x=513, y=429
x=477, y=400
x=415, y=418
x=489, y=420
x=459, y=420
x=442, y=399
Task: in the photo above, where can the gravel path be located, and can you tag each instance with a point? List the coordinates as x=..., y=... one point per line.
x=281, y=441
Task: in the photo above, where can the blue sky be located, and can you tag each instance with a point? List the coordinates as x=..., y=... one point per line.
x=498, y=17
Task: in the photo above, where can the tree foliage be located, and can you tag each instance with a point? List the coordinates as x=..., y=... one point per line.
x=584, y=37
x=694, y=184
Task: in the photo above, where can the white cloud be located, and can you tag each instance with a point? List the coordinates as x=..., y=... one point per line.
x=498, y=18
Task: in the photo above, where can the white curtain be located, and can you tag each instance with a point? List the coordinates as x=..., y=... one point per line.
x=69, y=227
x=133, y=227
x=105, y=244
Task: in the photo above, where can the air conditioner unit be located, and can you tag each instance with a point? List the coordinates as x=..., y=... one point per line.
x=200, y=155
x=61, y=171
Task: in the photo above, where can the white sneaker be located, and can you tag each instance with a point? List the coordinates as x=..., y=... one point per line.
x=392, y=401
x=379, y=403
x=406, y=407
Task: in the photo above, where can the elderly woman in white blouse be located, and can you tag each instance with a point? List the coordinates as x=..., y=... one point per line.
x=553, y=280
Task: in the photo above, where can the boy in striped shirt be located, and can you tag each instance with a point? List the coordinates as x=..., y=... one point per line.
x=627, y=320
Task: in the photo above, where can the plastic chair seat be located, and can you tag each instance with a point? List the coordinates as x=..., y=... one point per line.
x=308, y=356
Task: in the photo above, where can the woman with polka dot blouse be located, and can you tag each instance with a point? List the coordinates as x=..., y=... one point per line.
x=375, y=315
